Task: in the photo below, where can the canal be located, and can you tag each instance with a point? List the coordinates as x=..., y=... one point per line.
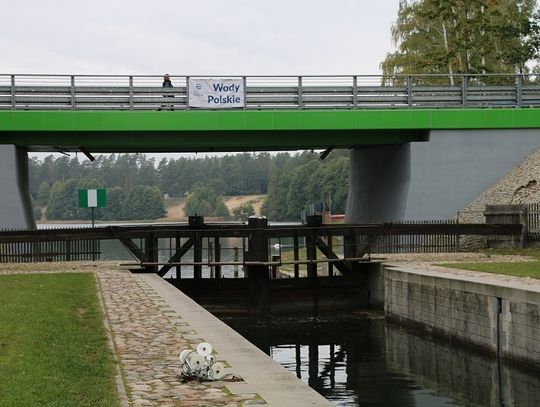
x=360, y=359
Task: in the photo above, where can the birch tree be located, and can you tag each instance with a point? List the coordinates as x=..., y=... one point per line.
x=463, y=36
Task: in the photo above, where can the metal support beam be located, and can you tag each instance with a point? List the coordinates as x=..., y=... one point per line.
x=327, y=251
x=176, y=257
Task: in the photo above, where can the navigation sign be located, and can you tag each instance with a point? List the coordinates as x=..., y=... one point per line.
x=92, y=198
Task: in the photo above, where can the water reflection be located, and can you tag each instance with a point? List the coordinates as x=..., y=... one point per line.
x=363, y=360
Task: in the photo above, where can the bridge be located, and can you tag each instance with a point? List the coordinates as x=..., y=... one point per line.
x=377, y=117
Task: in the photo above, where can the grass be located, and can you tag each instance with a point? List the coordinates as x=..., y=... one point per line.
x=53, y=346
x=518, y=269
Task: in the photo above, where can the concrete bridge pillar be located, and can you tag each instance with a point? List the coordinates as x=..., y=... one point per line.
x=379, y=180
x=15, y=202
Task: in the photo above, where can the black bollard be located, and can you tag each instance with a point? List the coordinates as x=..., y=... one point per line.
x=258, y=274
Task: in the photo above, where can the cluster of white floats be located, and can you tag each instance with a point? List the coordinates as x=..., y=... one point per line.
x=201, y=364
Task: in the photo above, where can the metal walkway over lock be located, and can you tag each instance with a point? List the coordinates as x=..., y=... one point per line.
x=330, y=269
x=130, y=113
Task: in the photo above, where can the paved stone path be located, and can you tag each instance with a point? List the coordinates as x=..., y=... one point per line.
x=148, y=337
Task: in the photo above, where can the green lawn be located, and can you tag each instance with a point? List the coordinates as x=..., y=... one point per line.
x=518, y=269
x=53, y=347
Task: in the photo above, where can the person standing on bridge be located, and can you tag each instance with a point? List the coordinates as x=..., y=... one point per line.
x=167, y=84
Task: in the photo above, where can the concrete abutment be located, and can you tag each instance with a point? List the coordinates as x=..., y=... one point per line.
x=15, y=202
x=379, y=183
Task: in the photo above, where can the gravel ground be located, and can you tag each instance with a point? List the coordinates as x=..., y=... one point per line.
x=434, y=258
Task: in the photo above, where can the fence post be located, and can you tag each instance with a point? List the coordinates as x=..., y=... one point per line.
x=244, y=82
x=130, y=92
x=300, y=95
x=355, y=91
x=519, y=89
x=409, y=90
x=464, y=81
x=187, y=93
x=13, y=92
x=72, y=93
x=523, y=217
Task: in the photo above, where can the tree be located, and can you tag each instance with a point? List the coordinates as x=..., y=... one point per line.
x=457, y=37
x=275, y=203
x=221, y=210
x=43, y=192
x=115, y=204
x=63, y=201
x=204, y=201
x=297, y=196
x=144, y=202
x=243, y=211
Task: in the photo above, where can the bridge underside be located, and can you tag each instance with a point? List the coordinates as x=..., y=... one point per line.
x=380, y=167
x=206, y=141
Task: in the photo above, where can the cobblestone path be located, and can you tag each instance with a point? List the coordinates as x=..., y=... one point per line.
x=148, y=337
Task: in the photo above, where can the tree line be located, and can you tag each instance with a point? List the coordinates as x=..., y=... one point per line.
x=137, y=186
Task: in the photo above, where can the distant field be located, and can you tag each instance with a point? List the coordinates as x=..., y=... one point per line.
x=175, y=206
x=53, y=346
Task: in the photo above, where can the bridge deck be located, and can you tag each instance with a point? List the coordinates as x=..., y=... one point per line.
x=124, y=113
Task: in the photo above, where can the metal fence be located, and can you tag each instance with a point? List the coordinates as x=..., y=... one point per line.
x=39, y=251
x=420, y=243
x=144, y=92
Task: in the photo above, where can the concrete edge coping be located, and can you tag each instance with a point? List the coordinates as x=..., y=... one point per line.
x=261, y=374
x=476, y=281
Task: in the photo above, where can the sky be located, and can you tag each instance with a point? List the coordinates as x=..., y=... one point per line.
x=197, y=37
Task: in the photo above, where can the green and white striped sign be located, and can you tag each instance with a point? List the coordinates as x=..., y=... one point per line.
x=92, y=198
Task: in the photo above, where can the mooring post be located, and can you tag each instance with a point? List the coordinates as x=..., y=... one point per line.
x=196, y=222
x=258, y=274
x=296, y=256
x=235, y=260
x=177, y=246
x=360, y=270
x=311, y=254
x=217, y=256
x=151, y=253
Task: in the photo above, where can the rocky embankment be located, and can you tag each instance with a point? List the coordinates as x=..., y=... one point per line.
x=519, y=186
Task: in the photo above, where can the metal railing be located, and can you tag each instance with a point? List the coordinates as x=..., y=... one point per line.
x=144, y=92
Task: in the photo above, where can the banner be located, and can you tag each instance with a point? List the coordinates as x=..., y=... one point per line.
x=216, y=93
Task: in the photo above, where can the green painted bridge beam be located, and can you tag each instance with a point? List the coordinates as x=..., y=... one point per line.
x=244, y=130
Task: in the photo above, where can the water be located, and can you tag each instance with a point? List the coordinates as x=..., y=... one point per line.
x=361, y=360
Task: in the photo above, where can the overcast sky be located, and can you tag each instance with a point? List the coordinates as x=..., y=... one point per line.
x=198, y=37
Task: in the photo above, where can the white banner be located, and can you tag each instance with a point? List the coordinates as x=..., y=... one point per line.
x=216, y=93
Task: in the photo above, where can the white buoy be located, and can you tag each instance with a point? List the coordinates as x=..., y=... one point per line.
x=218, y=371
x=204, y=349
x=201, y=364
x=196, y=360
x=184, y=354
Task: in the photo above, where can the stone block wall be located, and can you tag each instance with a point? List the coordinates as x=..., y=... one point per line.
x=495, y=318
